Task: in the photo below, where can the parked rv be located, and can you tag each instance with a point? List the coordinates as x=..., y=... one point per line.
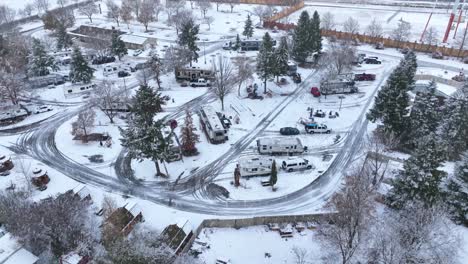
x=280, y=145
x=43, y=81
x=194, y=73
x=338, y=86
x=255, y=166
x=78, y=88
x=212, y=125
x=292, y=68
x=252, y=44
x=294, y=164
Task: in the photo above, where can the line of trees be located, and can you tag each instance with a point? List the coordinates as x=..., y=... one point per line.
x=307, y=38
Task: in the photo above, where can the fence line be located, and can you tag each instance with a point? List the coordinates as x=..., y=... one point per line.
x=428, y=77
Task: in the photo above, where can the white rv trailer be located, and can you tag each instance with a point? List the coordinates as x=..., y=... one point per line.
x=255, y=166
x=212, y=125
x=280, y=145
x=78, y=88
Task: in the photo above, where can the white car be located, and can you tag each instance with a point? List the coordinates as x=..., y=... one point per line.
x=42, y=109
x=294, y=164
x=200, y=83
x=137, y=52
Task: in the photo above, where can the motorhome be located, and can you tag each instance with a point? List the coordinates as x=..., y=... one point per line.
x=292, y=68
x=194, y=73
x=255, y=166
x=11, y=114
x=43, y=81
x=252, y=44
x=338, y=86
x=212, y=125
x=280, y=145
x=78, y=88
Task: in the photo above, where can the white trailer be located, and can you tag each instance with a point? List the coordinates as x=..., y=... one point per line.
x=78, y=88
x=212, y=125
x=255, y=166
x=280, y=145
x=338, y=86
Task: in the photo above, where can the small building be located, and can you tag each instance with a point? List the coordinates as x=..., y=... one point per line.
x=255, y=166
x=133, y=41
x=177, y=235
x=40, y=177
x=81, y=192
x=73, y=258
x=125, y=218
x=5, y=163
x=87, y=33
x=11, y=252
x=43, y=81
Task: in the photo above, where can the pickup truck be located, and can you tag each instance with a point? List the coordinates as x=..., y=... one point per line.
x=364, y=77
x=200, y=83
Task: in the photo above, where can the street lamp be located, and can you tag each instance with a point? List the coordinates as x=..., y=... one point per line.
x=204, y=54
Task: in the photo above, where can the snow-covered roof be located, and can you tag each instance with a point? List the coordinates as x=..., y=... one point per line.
x=130, y=38
x=81, y=190
x=279, y=141
x=254, y=161
x=11, y=252
x=133, y=208
x=185, y=225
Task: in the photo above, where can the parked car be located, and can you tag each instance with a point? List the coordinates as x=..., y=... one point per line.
x=42, y=109
x=315, y=91
x=379, y=46
x=317, y=128
x=122, y=74
x=294, y=164
x=5, y=173
x=289, y=131
x=297, y=78
x=372, y=61
x=137, y=52
x=200, y=83
x=103, y=60
x=319, y=113
x=437, y=55
x=364, y=77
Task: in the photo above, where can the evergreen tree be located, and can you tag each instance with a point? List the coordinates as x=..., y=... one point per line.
x=188, y=38
x=420, y=178
x=425, y=114
x=238, y=43
x=454, y=130
x=248, y=28
x=410, y=65
x=189, y=137
x=118, y=46
x=143, y=136
x=391, y=104
x=265, y=60
x=280, y=59
x=274, y=174
x=40, y=63
x=80, y=71
x=63, y=39
x=458, y=193
x=316, y=35
x=301, y=38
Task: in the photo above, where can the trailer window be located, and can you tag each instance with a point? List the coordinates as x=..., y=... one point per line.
x=219, y=134
x=70, y=91
x=292, y=164
x=264, y=147
x=295, y=147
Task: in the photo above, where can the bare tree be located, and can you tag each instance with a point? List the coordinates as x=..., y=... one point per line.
x=181, y=18
x=62, y=3
x=327, y=21
x=24, y=169
x=146, y=14
x=28, y=9
x=7, y=14
x=375, y=164
x=351, y=25
x=113, y=11
x=338, y=59
x=101, y=47
x=402, y=31
x=108, y=97
x=232, y=3
x=88, y=10
x=224, y=79
x=42, y=6
x=300, y=255
x=11, y=87
x=245, y=71
x=374, y=29
x=346, y=229
x=208, y=20
x=175, y=57
x=204, y=6
x=109, y=205
x=135, y=6
x=173, y=8
x=431, y=36
x=126, y=12
x=263, y=12
x=158, y=8
x=84, y=124
x=155, y=65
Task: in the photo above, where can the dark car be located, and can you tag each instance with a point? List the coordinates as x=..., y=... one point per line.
x=364, y=77
x=372, y=61
x=289, y=131
x=103, y=60
x=122, y=74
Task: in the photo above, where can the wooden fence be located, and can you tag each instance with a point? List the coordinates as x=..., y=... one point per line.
x=286, y=12
x=258, y=2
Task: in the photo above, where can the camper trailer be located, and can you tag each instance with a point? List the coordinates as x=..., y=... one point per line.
x=280, y=145
x=255, y=166
x=78, y=88
x=252, y=44
x=292, y=68
x=194, y=73
x=338, y=86
x=43, y=81
x=212, y=125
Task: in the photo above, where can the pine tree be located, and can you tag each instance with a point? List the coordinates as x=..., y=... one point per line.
x=391, y=104
x=425, y=114
x=420, y=178
x=454, y=130
x=280, y=60
x=40, y=63
x=301, y=38
x=188, y=38
x=189, y=137
x=80, y=71
x=410, y=65
x=144, y=137
x=265, y=60
x=248, y=28
x=238, y=43
x=458, y=193
x=316, y=35
x=118, y=46
x=63, y=39
x=274, y=174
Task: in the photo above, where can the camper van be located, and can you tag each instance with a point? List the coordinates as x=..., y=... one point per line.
x=212, y=125
x=255, y=166
x=294, y=164
x=280, y=145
